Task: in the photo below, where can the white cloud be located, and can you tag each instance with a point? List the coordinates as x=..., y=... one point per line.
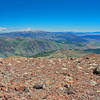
x=2, y=29
x=21, y=29
x=28, y=29
x=11, y=29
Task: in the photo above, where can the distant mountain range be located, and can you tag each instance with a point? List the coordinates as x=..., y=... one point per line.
x=86, y=33
x=96, y=37
x=50, y=35
x=31, y=43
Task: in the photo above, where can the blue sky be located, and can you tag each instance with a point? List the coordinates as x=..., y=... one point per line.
x=50, y=15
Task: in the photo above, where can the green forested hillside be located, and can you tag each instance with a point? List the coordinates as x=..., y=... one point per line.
x=26, y=46
x=32, y=43
x=37, y=43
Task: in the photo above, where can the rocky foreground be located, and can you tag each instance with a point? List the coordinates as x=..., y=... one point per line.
x=50, y=79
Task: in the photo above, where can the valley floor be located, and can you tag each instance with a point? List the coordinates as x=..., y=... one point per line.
x=49, y=79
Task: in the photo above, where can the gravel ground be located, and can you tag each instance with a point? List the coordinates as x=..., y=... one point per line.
x=49, y=79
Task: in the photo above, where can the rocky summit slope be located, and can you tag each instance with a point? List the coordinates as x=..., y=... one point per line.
x=50, y=79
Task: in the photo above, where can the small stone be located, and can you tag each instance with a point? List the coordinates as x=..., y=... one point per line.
x=91, y=67
x=93, y=82
x=98, y=98
x=20, y=87
x=70, y=91
x=1, y=62
x=66, y=86
x=9, y=64
x=25, y=89
x=87, y=57
x=61, y=88
x=38, y=86
x=98, y=91
x=79, y=61
x=68, y=78
x=97, y=70
x=1, y=95
x=64, y=68
x=71, y=58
